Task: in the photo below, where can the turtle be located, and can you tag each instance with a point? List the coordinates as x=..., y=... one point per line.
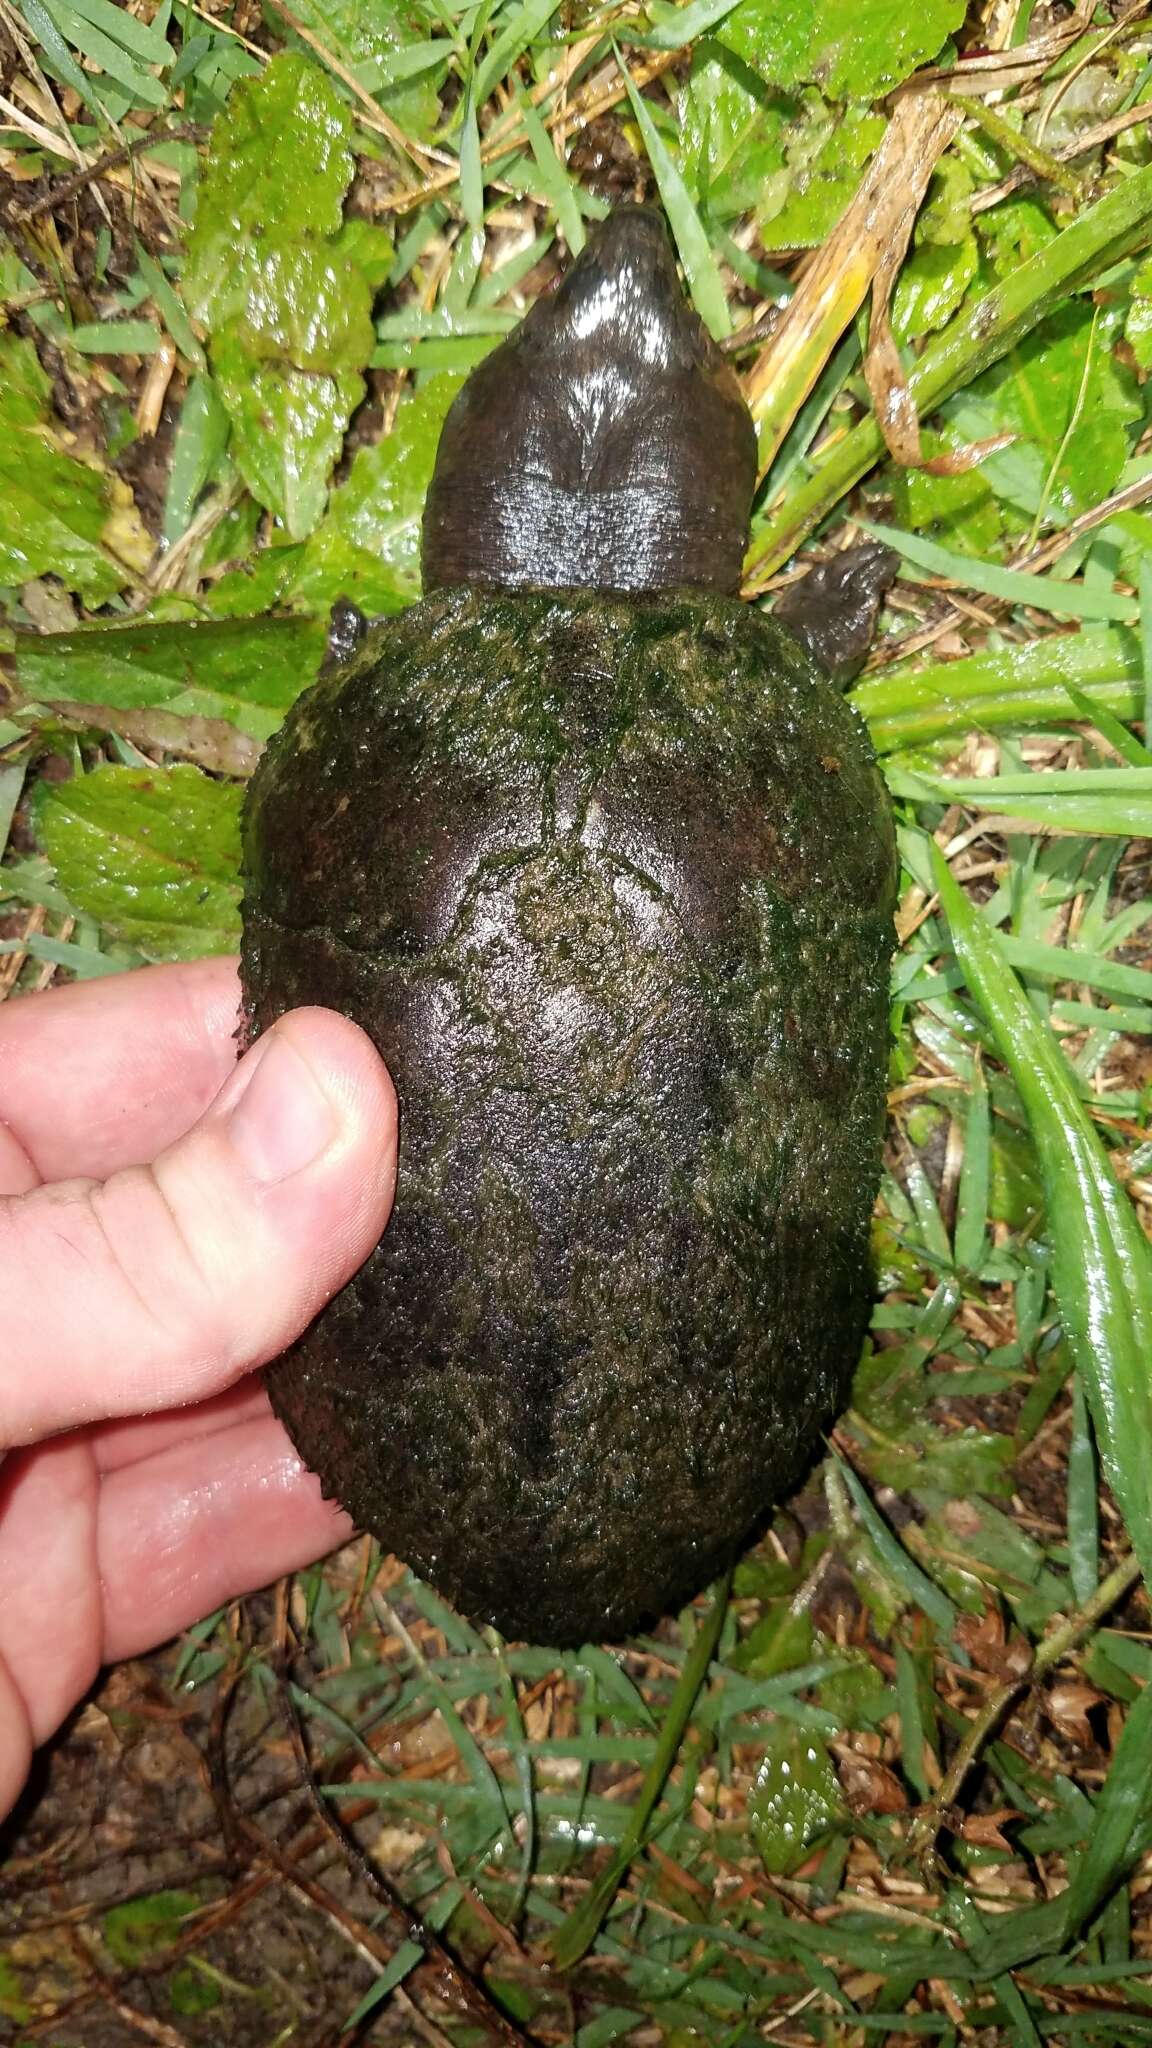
x=600, y=857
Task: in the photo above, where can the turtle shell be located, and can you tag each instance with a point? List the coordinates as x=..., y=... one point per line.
x=609, y=881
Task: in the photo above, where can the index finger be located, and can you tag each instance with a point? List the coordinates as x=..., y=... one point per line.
x=108, y=1073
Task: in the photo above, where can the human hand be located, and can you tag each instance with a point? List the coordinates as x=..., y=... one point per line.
x=168, y=1220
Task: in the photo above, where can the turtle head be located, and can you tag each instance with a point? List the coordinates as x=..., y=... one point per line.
x=604, y=445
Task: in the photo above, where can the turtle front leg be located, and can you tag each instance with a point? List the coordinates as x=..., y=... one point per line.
x=833, y=609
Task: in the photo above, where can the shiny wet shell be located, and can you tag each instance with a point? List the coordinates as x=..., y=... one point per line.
x=610, y=884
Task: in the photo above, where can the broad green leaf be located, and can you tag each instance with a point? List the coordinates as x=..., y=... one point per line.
x=864, y=50
x=680, y=25
x=55, y=512
x=1015, y=230
x=287, y=430
x=369, y=249
x=381, y=45
x=279, y=164
x=1138, y=325
x=282, y=285
x=264, y=583
x=986, y=1544
x=288, y=371
x=247, y=671
x=795, y=1797
x=368, y=547
x=152, y=854
x=825, y=152
x=854, y=53
x=142, y=1928
x=962, y=511
x=13, y=2004
x=945, y=218
x=1102, y=1262
x=731, y=133
x=25, y=388
x=931, y=286
x=191, y=1991
x=774, y=38
x=1065, y=394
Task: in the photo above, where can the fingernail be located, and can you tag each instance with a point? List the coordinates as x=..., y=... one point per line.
x=282, y=1120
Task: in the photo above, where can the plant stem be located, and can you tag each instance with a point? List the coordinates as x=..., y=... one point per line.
x=1064, y=1639
x=1118, y=224
x=1019, y=146
x=575, y=1936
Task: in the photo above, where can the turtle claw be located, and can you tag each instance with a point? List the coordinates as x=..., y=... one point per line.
x=347, y=626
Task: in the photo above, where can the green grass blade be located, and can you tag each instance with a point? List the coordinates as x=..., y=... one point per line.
x=170, y=308
x=111, y=57
x=1043, y=962
x=1024, y=2033
x=708, y=295
x=60, y=57
x=1083, y=1513
x=576, y=1934
x=1102, y=1262
x=1109, y=802
x=972, y=1194
x=1123, y=1811
x=471, y=166
x=559, y=188
x=144, y=41
x=1016, y=686
x=1146, y=642
x=521, y=26
x=895, y=1559
x=11, y=788
x=117, y=337
x=912, y=1736
x=1015, y=586
x=1110, y=728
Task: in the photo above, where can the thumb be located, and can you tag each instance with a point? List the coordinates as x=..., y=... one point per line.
x=163, y=1284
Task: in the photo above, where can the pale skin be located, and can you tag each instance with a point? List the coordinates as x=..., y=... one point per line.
x=169, y=1220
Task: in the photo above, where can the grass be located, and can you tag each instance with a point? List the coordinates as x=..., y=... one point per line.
x=891, y=1781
